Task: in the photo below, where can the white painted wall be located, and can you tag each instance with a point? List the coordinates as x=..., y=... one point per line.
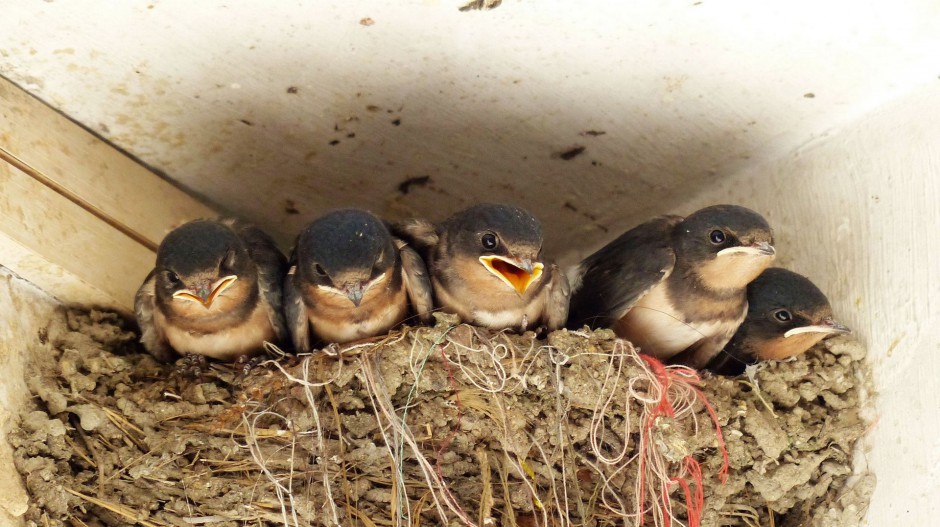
x=687, y=92
x=859, y=212
x=700, y=101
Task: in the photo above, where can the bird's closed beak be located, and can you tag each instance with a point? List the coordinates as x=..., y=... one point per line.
x=828, y=326
x=756, y=249
x=354, y=292
x=517, y=273
x=206, y=294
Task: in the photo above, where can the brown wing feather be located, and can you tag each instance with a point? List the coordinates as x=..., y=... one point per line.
x=614, y=278
x=558, y=298
x=272, y=268
x=295, y=313
x=420, y=234
x=151, y=336
x=417, y=281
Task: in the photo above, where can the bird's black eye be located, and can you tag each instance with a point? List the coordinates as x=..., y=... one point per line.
x=783, y=315
x=489, y=241
x=319, y=269
x=173, y=278
x=717, y=237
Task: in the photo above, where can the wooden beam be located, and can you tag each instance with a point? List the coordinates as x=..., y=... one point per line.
x=78, y=217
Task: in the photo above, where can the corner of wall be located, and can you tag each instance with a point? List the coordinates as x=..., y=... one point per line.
x=27, y=313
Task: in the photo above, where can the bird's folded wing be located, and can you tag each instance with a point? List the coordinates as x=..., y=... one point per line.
x=609, y=282
x=418, y=233
x=558, y=298
x=151, y=336
x=272, y=267
x=295, y=314
x=417, y=281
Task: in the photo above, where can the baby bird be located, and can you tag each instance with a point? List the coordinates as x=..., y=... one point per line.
x=350, y=279
x=675, y=287
x=215, y=291
x=486, y=266
x=787, y=314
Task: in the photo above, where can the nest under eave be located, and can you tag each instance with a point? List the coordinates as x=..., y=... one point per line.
x=447, y=425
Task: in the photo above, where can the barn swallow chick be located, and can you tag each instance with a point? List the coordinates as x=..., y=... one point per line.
x=350, y=279
x=674, y=287
x=215, y=291
x=486, y=266
x=786, y=315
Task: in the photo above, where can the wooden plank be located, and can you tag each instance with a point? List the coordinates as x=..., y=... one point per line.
x=78, y=217
x=64, y=249
x=46, y=144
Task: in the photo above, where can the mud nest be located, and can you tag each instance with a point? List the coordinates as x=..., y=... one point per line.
x=447, y=425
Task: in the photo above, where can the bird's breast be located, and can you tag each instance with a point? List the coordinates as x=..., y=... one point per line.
x=334, y=318
x=663, y=328
x=480, y=298
x=223, y=342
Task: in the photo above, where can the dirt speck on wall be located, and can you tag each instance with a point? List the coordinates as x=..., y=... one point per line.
x=448, y=425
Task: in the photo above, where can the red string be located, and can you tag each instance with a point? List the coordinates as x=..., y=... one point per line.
x=664, y=492
x=725, y=462
x=694, y=499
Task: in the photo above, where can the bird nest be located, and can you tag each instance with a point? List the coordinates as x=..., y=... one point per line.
x=443, y=425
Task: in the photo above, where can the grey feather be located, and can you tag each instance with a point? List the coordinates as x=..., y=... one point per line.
x=272, y=268
x=150, y=335
x=614, y=278
x=558, y=299
x=295, y=313
x=417, y=281
x=420, y=234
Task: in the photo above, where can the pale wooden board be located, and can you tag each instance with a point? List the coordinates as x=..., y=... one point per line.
x=65, y=250
x=91, y=169
x=77, y=217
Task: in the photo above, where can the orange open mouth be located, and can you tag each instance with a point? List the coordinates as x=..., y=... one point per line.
x=510, y=273
x=217, y=288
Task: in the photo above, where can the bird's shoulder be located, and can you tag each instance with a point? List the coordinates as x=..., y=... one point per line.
x=152, y=336
x=610, y=281
x=417, y=281
x=419, y=233
x=272, y=268
x=260, y=245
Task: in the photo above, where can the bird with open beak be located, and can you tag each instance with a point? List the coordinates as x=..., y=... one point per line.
x=787, y=315
x=350, y=279
x=675, y=287
x=215, y=291
x=486, y=266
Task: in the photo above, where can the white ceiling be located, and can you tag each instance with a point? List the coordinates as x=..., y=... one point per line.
x=241, y=101
x=821, y=114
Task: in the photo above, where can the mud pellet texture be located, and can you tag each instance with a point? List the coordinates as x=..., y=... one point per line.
x=448, y=425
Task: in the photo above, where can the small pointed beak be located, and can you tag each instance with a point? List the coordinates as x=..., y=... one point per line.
x=757, y=249
x=828, y=326
x=836, y=327
x=765, y=249
x=354, y=292
x=207, y=293
x=526, y=265
x=517, y=273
